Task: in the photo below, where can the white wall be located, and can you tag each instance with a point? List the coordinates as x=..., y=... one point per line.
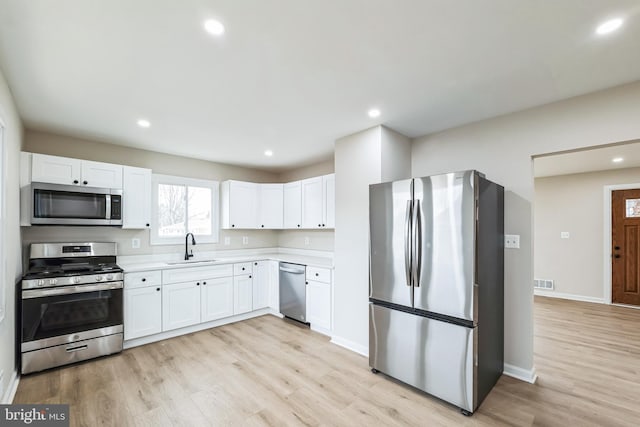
x=368, y=157
x=502, y=148
x=12, y=270
x=573, y=203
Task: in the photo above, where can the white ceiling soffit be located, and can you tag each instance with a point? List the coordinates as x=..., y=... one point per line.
x=597, y=159
x=292, y=76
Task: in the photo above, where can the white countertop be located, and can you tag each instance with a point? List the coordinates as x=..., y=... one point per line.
x=169, y=261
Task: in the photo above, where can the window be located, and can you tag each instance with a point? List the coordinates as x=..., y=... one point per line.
x=184, y=205
x=3, y=260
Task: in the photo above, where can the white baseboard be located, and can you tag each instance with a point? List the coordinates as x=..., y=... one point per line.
x=12, y=387
x=320, y=330
x=553, y=294
x=526, y=375
x=196, y=328
x=350, y=345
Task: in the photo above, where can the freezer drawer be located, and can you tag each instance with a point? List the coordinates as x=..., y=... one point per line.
x=434, y=356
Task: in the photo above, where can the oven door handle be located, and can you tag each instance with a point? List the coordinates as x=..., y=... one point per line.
x=68, y=290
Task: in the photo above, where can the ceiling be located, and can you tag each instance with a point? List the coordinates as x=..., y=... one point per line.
x=293, y=76
x=591, y=160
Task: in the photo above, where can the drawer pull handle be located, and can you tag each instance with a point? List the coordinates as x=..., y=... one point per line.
x=78, y=348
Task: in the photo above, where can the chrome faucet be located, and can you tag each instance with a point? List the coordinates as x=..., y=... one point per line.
x=188, y=255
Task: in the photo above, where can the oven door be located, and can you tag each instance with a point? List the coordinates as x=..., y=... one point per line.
x=68, y=311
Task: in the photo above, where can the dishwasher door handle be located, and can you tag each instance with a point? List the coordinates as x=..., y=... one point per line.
x=291, y=270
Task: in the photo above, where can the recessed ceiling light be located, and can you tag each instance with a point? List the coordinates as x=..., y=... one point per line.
x=268, y=153
x=373, y=113
x=144, y=123
x=617, y=159
x=609, y=26
x=214, y=27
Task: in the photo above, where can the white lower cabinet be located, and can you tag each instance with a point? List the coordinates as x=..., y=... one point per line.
x=216, y=299
x=319, y=304
x=180, y=305
x=242, y=294
x=143, y=312
x=260, y=284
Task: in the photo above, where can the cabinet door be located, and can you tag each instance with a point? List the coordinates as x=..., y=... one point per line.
x=136, y=197
x=270, y=206
x=104, y=175
x=180, y=305
x=260, y=284
x=55, y=170
x=292, y=201
x=216, y=298
x=142, y=312
x=243, y=204
x=274, y=285
x=242, y=294
x=329, y=201
x=319, y=304
x=312, y=202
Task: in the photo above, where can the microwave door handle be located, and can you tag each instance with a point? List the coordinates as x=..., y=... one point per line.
x=108, y=206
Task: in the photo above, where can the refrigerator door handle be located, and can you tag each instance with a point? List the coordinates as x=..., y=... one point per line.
x=407, y=242
x=417, y=244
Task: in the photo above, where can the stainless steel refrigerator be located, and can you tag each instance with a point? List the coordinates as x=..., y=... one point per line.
x=436, y=284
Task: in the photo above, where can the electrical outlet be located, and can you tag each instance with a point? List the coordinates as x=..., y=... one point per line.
x=306, y=240
x=564, y=235
x=135, y=243
x=245, y=240
x=512, y=241
x=227, y=241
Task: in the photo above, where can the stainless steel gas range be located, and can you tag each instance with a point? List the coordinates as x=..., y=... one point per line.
x=71, y=304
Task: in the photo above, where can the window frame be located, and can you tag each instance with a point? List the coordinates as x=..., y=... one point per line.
x=214, y=186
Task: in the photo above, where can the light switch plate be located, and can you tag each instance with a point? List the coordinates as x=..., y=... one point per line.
x=135, y=243
x=564, y=234
x=306, y=240
x=245, y=240
x=512, y=241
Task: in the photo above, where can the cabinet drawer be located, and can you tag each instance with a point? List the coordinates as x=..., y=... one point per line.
x=242, y=268
x=190, y=274
x=142, y=279
x=319, y=274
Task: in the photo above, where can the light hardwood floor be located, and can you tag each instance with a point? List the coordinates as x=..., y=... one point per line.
x=267, y=371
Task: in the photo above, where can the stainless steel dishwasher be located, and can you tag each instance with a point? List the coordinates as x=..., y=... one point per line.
x=293, y=291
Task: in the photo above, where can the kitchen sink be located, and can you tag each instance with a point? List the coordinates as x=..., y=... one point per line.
x=195, y=261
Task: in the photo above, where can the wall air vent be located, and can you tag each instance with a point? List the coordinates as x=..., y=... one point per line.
x=543, y=284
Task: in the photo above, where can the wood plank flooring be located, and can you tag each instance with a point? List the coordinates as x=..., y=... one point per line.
x=269, y=372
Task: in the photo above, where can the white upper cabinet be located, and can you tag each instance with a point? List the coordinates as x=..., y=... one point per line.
x=318, y=202
x=64, y=170
x=329, y=201
x=270, y=206
x=55, y=170
x=239, y=204
x=292, y=205
x=136, y=195
x=312, y=202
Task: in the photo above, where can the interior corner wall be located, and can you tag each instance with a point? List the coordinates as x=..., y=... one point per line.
x=502, y=148
x=575, y=204
x=11, y=270
x=358, y=164
x=396, y=155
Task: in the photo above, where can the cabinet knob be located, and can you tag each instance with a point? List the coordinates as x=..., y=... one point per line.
x=198, y=284
x=298, y=225
x=249, y=277
x=242, y=268
x=262, y=226
x=85, y=182
x=255, y=263
x=323, y=225
x=233, y=225
x=319, y=225
x=317, y=274
x=157, y=289
x=147, y=225
x=204, y=283
x=75, y=181
x=306, y=283
x=144, y=279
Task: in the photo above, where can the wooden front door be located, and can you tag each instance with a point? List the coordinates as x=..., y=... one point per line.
x=625, y=246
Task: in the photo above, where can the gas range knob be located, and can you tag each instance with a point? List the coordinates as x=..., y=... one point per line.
x=75, y=280
x=53, y=281
x=109, y=276
x=40, y=282
x=99, y=278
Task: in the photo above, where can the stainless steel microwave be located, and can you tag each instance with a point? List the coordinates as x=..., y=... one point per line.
x=56, y=204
